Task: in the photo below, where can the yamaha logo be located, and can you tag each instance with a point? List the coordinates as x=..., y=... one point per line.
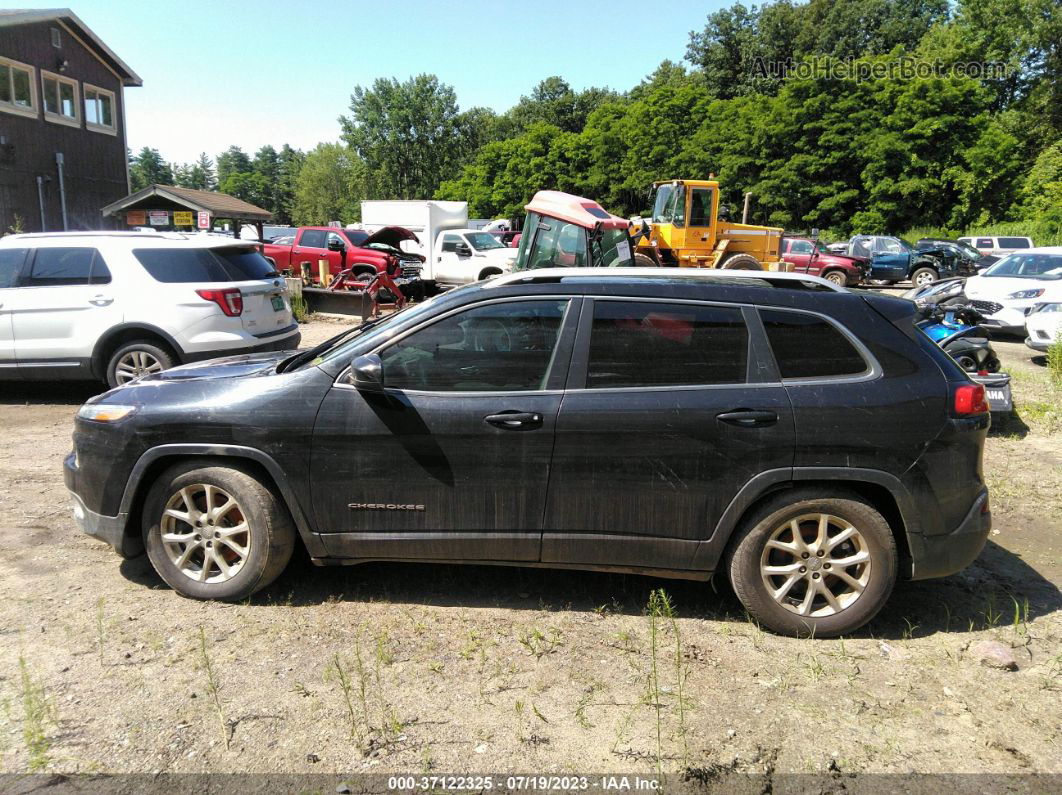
x=383, y=506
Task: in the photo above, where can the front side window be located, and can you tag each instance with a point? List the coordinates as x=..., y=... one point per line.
x=502, y=347
x=333, y=236
x=99, y=108
x=64, y=267
x=612, y=249
x=449, y=243
x=800, y=247
x=313, y=238
x=558, y=244
x=60, y=98
x=888, y=245
x=11, y=260
x=701, y=207
x=483, y=241
x=356, y=236
x=806, y=346
x=16, y=87
x=649, y=344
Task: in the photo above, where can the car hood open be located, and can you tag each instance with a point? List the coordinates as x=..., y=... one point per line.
x=391, y=236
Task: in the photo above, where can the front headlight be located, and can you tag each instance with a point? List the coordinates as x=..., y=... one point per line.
x=1024, y=294
x=104, y=412
x=1057, y=307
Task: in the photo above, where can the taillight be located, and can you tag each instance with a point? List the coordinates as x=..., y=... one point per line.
x=969, y=400
x=230, y=300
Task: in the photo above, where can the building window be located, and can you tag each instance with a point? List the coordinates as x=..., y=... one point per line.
x=99, y=109
x=17, y=88
x=60, y=99
x=57, y=40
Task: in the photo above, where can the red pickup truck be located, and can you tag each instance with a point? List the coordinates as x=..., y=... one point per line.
x=811, y=257
x=352, y=249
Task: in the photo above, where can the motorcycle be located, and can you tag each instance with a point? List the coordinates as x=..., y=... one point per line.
x=955, y=327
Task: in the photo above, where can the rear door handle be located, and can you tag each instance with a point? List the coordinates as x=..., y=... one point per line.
x=515, y=420
x=748, y=418
x=101, y=300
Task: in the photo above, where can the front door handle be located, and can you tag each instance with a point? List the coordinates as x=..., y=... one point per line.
x=515, y=420
x=748, y=418
x=101, y=300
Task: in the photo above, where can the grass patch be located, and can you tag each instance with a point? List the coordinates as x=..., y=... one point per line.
x=37, y=715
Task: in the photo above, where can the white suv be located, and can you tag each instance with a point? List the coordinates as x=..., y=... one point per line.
x=115, y=305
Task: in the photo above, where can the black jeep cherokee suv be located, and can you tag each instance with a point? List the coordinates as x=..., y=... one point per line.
x=807, y=441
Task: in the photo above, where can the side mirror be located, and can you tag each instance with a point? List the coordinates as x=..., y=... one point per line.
x=336, y=245
x=366, y=373
x=463, y=250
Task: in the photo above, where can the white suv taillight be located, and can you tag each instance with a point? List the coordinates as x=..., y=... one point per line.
x=230, y=300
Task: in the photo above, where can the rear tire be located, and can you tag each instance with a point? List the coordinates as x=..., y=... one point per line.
x=741, y=262
x=836, y=277
x=645, y=261
x=792, y=589
x=134, y=359
x=215, y=532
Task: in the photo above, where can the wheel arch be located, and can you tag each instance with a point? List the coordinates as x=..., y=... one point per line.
x=155, y=461
x=490, y=270
x=116, y=336
x=882, y=490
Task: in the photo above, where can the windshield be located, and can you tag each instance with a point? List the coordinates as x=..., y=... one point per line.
x=482, y=241
x=670, y=205
x=385, y=326
x=1028, y=266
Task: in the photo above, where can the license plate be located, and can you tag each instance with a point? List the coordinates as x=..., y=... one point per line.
x=999, y=399
x=278, y=303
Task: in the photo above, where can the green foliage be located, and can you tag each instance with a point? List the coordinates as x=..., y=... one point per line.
x=329, y=186
x=148, y=168
x=1054, y=361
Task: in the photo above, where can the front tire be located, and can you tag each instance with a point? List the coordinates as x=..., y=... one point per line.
x=813, y=563
x=923, y=277
x=215, y=532
x=645, y=261
x=741, y=262
x=135, y=359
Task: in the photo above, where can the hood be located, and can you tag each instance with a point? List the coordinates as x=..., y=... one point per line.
x=390, y=236
x=997, y=288
x=250, y=364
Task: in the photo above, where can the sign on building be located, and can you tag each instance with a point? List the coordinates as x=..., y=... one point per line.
x=135, y=217
x=182, y=217
x=158, y=217
x=203, y=220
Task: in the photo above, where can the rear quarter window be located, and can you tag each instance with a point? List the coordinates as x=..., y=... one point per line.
x=1015, y=242
x=11, y=260
x=190, y=265
x=806, y=346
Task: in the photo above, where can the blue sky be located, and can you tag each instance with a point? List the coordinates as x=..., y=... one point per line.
x=218, y=73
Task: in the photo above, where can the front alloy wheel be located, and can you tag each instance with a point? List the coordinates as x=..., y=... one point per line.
x=205, y=534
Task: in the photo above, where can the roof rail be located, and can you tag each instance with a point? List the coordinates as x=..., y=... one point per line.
x=773, y=278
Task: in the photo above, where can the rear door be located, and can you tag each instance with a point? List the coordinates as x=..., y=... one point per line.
x=667, y=415
x=452, y=461
x=891, y=261
x=64, y=302
x=11, y=260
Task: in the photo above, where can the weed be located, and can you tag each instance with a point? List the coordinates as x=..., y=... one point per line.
x=580, y=710
x=538, y=714
x=623, y=727
x=538, y=644
x=299, y=308
x=213, y=686
x=100, y=628
x=1054, y=360
x=300, y=689
x=37, y=714
x=909, y=631
x=990, y=614
x=384, y=654
x=435, y=666
x=347, y=689
x=471, y=646
x=1021, y=618
x=815, y=668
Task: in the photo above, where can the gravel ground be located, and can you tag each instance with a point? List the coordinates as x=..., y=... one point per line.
x=428, y=668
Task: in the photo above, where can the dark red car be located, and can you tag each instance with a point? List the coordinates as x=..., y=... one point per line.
x=810, y=256
x=352, y=249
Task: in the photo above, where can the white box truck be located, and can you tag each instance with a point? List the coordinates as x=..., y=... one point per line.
x=453, y=253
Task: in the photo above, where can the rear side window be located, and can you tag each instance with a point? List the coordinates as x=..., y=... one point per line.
x=1015, y=242
x=188, y=265
x=984, y=242
x=64, y=267
x=806, y=346
x=644, y=344
x=11, y=260
x=313, y=238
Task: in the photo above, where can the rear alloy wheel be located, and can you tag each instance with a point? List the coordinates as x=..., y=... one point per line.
x=136, y=359
x=923, y=277
x=836, y=277
x=215, y=532
x=814, y=564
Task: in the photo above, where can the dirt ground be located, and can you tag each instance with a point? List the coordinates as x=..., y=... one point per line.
x=425, y=669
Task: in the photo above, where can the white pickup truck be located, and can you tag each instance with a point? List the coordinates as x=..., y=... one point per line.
x=462, y=256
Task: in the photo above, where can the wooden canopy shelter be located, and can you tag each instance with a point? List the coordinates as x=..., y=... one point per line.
x=169, y=208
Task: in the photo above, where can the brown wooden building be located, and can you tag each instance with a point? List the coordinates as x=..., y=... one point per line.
x=62, y=122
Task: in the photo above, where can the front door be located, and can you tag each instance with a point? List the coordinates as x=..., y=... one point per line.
x=451, y=462
x=799, y=254
x=63, y=304
x=891, y=260
x=310, y=248
x=659, y=430
x=700, y=227
x=446, y=265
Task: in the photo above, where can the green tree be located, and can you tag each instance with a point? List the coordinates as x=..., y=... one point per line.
x=233, y=161
x=198, y=175
x=247, y=186
x=329, y=186
x=409, y=135
x=148, y=168
x=289, y=163
x=554, y=102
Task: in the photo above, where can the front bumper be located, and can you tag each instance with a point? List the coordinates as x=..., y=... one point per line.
x=109, y=529
x=1038, y=345
x=939, y=556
